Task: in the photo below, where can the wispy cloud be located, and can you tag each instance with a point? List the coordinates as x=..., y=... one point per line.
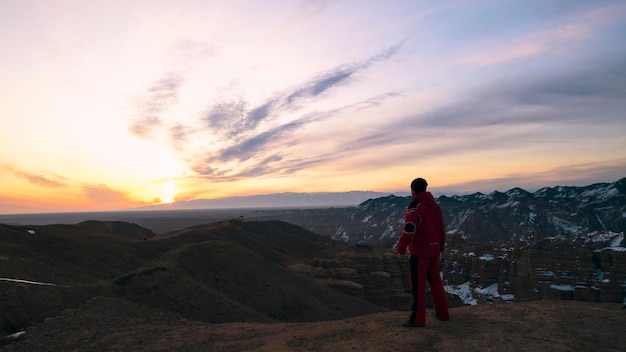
x=529, y=45
x=244, y=150
x=39, y=180
x=254, y=148
x=341, y=75
x=157, y=99
x=239, y=127
x=314, y=7
x=228, y=117
x=179, y=135
x=581, y=174
x=585, y=24
x=232, y=119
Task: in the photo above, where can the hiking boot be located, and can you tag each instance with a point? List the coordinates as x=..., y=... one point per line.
x=408, y=324
x=447, y=317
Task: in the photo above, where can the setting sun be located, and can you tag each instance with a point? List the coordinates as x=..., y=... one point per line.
x=169, y=192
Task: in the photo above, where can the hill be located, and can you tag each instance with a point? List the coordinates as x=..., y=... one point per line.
x=220, y=272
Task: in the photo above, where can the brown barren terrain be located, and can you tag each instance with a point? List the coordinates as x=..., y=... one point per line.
x=236, y=286
x=104, y=324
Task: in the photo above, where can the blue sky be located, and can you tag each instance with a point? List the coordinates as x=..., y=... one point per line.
x=117, y=104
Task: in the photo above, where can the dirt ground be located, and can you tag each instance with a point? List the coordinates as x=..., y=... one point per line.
x=106, y=324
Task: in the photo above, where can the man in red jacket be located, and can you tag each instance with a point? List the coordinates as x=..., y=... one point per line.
x=424, y=235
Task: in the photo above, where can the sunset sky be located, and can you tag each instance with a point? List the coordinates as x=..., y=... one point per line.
x=116, y=104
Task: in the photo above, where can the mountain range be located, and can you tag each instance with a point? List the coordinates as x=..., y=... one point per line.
x=514, y=215
x=274, y=200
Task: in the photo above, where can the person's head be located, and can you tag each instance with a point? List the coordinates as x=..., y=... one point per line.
x=418, y=185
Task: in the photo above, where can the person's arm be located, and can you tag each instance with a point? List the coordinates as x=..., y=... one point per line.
x=411, y=222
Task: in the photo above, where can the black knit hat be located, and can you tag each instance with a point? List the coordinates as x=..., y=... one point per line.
x=418, y=185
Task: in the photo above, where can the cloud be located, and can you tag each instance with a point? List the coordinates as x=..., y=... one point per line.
x=251, y=148
x=274, y=165
x=321, y=84
x=582, y=174
x=232, y=119
x=260, y=143
x=244, y=151
x=263, y=168
x=606, y=81
x=39, y=180
x=105, y=196
x=186, y=54
x=227, y=117
x=158, y=98
x=564, y=97
x=574, y=95
x=514, y=114
x=581, y=25
x=179, y=134
x=339, y=76
x=311, y=8
x=232, y=122
x=529, y=45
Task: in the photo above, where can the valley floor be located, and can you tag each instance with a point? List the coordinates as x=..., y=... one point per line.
x=106, y=324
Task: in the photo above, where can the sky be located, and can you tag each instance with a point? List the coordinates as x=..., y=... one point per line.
x=117, y=104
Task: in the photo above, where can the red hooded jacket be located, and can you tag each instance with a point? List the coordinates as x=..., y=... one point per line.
x=423, y=232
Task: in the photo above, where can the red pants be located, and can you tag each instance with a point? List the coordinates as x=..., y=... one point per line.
x=422, y=269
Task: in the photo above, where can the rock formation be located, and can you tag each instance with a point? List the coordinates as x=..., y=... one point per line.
x=474, y=273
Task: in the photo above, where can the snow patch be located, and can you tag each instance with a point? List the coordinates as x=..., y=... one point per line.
x=566, y=226
x=26, y=282
x=16, y=335
x=508, y=204
x=531, y=217
x=562, y=287
x=389, y=232
x=486, y=257
x=341, y=234
x=602, y=193
x=544, y=272
x=491, y=290
x=464, y=291
x=507, y=297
